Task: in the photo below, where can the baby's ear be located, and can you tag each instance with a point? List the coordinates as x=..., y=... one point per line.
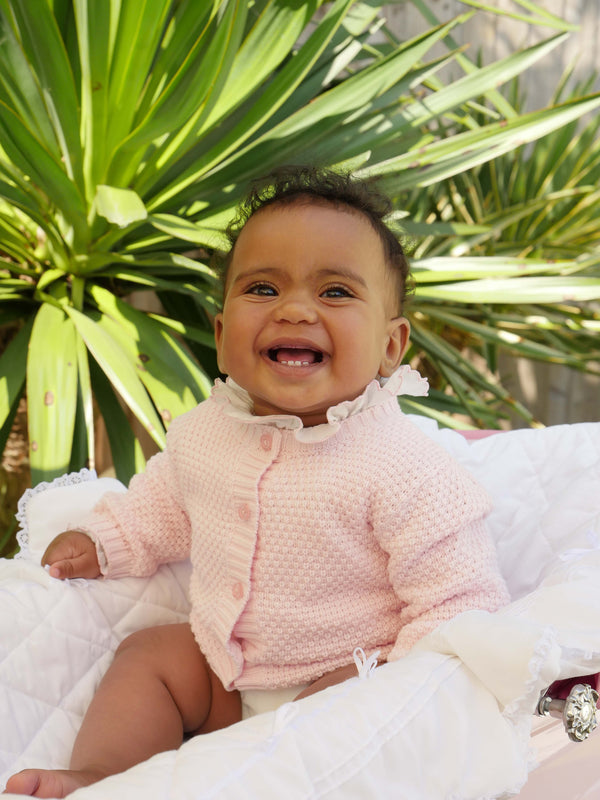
x=398, y=333
x=218, y=326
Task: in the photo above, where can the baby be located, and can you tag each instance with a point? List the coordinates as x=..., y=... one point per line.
x=317, y=517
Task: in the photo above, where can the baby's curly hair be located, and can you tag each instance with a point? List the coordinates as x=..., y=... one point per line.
x=304, y=184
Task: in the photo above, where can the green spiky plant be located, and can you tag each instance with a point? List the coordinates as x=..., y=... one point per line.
x=128, y=132
x=508, y=260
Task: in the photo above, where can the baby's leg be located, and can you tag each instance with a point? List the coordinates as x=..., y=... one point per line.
x=158, y=688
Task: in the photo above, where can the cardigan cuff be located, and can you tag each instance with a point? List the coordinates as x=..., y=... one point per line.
x=114, y=557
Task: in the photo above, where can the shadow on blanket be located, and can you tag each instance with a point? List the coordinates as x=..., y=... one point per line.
x=452, y=720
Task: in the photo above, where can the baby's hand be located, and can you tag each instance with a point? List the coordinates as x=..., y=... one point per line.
x=72, y=554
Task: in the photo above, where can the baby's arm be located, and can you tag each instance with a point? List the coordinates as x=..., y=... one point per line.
x=442, y=558
x=72, y=554
x=136, y=531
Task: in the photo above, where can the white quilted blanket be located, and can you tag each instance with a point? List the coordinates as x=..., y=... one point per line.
x=451, y=721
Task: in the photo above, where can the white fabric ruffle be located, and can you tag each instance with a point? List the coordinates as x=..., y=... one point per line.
x=237, y=404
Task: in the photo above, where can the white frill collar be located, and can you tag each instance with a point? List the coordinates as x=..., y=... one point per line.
x=237, y=404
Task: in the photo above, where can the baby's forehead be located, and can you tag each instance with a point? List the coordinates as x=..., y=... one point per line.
x=272, y=218
x=314, y=202
x=323, y=231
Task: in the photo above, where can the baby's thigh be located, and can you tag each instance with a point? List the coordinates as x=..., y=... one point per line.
x=170, y=655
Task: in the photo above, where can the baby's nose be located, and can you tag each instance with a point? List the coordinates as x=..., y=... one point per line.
x=297, y=308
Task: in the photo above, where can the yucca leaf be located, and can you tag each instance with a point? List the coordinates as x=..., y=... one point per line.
x=495, y=97
x=427, y=408
x=95, y=40
x=329, y=110
x=19, y=88
x=126, y=450
x=120, y=370
x=347, y=140
x=15, y=245
x=518, y=344
x=85, y=407
x=170, y=264
x=29, y=155
x=434, y=270
x=514, y=290
x=445, y=158
x=177, y=112
x=210, y=301
x=120, y=207
x=56, y=101
x=27, y=209
x=478, y=82
x=51, y=392
x=463, y=376
x=137, y=31
x=344, y=47
x=282, y=85
x=13, y=370
x=188, y=26
x=462, y=229
x=197, y=233
x=538, y=15
x=260, y=54
x=170, y=375
x=192, y=332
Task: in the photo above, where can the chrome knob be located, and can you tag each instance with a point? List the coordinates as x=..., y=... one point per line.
x=578, y=711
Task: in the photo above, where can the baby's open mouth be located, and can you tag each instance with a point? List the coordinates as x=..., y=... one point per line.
x=295, y=356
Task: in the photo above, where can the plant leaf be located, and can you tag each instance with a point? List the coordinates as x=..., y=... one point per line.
x=51, y=392
x=126, y=450
x=442, y=159
x=514, y=290
x=118, y=368
x=33, y=160
x=173, y=380
x=50, y=86
x=121, y=207
x=180, y=228
x=13, y=370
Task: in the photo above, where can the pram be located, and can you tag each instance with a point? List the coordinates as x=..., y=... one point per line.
x=454, y=720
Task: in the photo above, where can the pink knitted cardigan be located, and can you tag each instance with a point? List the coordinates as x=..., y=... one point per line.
x=306, y=543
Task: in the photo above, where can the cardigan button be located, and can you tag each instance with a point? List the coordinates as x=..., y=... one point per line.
x=244, y=512
x=237, y=590
x=266, y=442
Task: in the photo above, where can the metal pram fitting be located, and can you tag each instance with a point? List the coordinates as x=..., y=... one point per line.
x=575, y=703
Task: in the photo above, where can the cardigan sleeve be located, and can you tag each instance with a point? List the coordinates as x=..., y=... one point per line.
x=144, y=527
x=442, y=560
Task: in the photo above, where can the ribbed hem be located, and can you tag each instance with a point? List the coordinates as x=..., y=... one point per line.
x=117, y=556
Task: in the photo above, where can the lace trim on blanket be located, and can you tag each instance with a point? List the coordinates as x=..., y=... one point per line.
x=540, y=657
x=520, y=711
x=69, y=479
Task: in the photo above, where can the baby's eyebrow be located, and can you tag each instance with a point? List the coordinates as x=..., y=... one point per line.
x=256, y=272
x=342, y=272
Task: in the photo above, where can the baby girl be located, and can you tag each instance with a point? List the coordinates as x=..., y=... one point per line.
x=317, y=517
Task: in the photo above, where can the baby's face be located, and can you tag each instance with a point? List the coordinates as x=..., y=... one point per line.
x=308, y=318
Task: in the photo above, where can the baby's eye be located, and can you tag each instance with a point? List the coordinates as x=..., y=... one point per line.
x=262, y=290
x=336, y=291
